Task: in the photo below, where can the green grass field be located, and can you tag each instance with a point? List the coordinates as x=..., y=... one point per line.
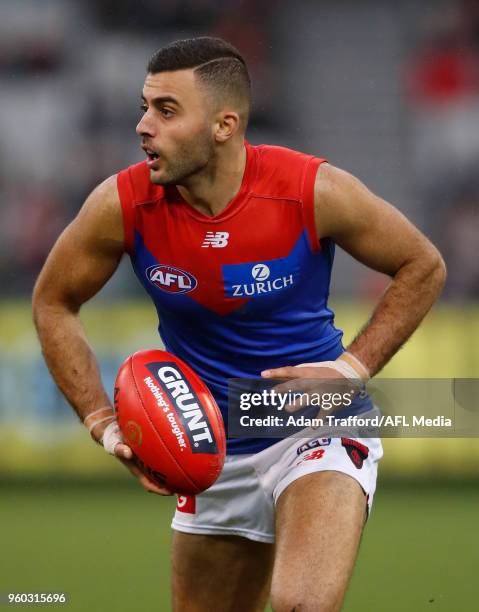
x=107, y=546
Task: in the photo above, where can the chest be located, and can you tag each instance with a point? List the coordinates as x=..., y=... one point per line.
x=220, y=264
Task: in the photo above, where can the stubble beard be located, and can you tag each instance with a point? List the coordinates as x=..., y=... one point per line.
x=190, y=159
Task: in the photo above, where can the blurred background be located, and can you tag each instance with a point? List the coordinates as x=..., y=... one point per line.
x=386, y=90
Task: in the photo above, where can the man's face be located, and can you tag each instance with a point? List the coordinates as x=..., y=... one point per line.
x=176, y=127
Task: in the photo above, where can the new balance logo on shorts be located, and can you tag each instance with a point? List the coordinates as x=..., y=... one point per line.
x=317, y=454
x=310, y=446
x=217, y=240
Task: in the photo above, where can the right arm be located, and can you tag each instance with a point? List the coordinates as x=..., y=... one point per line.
x=83, y=259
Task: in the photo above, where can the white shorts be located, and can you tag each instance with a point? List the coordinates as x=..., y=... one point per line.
x=242, y=501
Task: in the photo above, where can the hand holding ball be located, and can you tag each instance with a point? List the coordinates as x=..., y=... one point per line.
x=170, y=420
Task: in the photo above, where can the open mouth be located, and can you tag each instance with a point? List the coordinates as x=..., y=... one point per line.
x=152, y=156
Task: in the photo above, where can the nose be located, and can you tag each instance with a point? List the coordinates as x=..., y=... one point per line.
x=145, y=126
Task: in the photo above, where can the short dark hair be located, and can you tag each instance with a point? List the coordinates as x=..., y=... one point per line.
x=218, y=65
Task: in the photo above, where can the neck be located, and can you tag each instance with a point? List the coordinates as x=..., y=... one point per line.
x=212, y=190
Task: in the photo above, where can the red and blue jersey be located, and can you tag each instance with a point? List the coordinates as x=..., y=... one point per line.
x=245, y=290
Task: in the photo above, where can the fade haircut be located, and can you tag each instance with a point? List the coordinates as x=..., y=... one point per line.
x=217, y=65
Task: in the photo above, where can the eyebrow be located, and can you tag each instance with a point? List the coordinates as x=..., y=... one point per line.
x=161, y=100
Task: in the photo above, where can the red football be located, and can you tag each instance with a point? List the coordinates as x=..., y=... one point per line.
x=170, y=420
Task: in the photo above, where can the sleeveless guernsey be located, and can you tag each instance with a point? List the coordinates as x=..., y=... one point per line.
x=243, y=291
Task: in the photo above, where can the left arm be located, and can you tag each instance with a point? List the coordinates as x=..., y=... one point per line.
x=379, y=236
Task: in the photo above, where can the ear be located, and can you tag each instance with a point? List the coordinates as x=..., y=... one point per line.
x=226, y=125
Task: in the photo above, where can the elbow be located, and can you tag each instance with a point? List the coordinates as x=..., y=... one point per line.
x=39, y=304
x=50, y=305
x=45, y=304
x=427, y=271
x=437, y=271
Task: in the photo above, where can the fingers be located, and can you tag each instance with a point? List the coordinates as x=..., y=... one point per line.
x=302, y=372
x=285, y=372
x=151, y=487
x=301, y=380
x=122, y=451
x=301, y=385
x=146, y=483
x=304, y=381
x=297, y=391
x=125, y=455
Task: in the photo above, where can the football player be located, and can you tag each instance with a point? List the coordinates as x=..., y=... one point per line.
x=234, y=244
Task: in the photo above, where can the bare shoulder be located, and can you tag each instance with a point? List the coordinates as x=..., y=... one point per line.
x=365, y=225
x=101, y=213
x=343, y=202
x=87, y=252
x=107, y=190
x=333, y=183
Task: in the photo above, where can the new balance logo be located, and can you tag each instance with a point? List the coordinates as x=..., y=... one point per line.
x=217, y=240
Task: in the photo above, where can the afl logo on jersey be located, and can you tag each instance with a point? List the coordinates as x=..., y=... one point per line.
x=171, y=279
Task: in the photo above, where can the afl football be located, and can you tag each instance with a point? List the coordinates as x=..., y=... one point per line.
x=170, y=420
